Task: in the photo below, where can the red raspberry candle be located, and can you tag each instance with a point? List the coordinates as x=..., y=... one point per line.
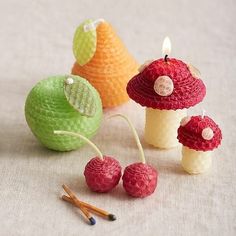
x=166, y=87
x=199, y=136
x=139, y=179
x=102, y=173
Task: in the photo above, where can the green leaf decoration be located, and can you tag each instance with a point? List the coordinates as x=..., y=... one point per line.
x=84, y=43
x=80, y=96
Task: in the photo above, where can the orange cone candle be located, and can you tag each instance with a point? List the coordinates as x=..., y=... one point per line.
x=104, y=61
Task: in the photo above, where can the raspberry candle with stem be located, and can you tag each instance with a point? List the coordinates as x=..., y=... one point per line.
x=139, y=179
x=102, y=173
x=166, y=87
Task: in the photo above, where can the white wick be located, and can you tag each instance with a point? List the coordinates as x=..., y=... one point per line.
x=98, y=21
x=142, y=157
x=83, y=138
x=203, y=113
x=93, y=25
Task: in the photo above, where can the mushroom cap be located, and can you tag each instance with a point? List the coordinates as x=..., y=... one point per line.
x=188, y=90
x=197, y=134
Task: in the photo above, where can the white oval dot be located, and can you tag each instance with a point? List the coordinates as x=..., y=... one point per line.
x=207, y=133
x=144, y=65
x=185, y=120
x=69, y=81
x=164, y=86
x=194, y=71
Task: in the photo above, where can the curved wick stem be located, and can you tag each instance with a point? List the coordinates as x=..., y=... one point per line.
x=165, y=58
x=95, y=148
x=142, y=156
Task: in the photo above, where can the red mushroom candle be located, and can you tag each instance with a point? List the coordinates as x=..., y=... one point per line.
x=166, y=87
x=199, y=136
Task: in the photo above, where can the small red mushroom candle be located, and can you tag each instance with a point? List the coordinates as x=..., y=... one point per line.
x=199, y=136
x=166, y=87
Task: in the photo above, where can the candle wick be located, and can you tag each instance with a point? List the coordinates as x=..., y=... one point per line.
x=203, y=113
x=165, y=58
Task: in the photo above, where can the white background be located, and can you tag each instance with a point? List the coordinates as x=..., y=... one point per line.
x=36, y=42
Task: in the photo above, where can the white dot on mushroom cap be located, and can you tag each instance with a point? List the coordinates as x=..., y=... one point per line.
x=207, y=133
x=185, y=120
x=69, y=81
x=164, y=86
x=144, y=65
x=194, y=71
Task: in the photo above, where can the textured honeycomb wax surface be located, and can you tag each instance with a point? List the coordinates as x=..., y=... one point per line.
x=187, y=90
x=84, y=43
x=161, y=127
x=110, y=68
x=47, y=109
x=195, y=162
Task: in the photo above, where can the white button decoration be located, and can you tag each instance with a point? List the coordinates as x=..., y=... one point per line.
x=69, y=81
x=194, y=71
x=185, y=120
x=207, y=133
x=164, y=86
x=144, y=65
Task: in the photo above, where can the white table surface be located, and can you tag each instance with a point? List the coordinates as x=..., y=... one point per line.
x=35, y=42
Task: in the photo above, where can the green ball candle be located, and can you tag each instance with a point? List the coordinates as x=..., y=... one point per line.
x=63, y=103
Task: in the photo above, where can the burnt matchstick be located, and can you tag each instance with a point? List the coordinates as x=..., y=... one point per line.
x=95, y=210
x=75, y=200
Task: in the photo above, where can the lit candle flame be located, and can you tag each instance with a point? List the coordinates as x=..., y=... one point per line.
x=166, y=46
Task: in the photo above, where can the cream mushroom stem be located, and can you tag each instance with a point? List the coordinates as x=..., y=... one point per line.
x=95, y=148
x=142, y=156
